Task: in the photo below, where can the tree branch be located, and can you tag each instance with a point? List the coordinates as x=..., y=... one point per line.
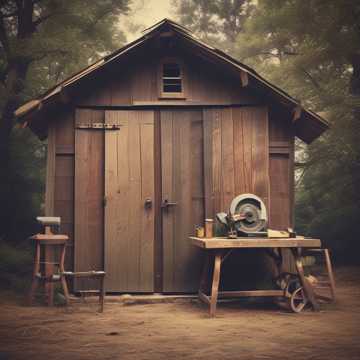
x=311, y=78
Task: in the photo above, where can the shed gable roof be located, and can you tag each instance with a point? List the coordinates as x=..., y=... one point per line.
x=308, y=125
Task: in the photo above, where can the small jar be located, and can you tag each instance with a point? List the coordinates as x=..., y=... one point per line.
x=200, y=231
x=209, y=223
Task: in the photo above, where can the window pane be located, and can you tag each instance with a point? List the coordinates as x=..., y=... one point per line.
x=171, y=70
x=172, y=85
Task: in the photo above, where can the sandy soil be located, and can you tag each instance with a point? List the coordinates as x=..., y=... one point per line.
x=183, y=330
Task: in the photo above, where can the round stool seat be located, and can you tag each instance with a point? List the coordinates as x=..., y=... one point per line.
x=50, y=239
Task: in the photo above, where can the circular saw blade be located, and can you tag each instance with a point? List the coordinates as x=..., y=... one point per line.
x=251, y=211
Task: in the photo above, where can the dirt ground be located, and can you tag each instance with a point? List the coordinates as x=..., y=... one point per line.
x=182, y=329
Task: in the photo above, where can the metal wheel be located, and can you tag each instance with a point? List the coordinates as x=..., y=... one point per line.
x=298, y=300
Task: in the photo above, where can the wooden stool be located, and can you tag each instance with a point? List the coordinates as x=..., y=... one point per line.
x=95, y=275
x=45, y=245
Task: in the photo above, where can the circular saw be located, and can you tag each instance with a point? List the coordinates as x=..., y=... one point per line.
x=247, y=216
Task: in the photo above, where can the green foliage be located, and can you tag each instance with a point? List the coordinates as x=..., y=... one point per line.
x=218, y=22
x=15, y=267
x=25, y=186
x=41, y=43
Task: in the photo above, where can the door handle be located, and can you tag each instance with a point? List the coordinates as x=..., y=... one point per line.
x=166, y=203
x=148, y=203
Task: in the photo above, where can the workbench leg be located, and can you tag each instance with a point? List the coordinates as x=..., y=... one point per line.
x=308, y=289
x=330, y=274
x=204, y=280
x=215, y=283
x=62, y=276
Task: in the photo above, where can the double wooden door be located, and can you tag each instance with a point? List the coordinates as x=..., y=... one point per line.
x=154, y=199
x=158, y=176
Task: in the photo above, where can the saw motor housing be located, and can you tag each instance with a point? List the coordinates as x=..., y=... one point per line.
x=247, y=216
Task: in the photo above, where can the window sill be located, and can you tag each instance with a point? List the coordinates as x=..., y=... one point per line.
x=172, y=96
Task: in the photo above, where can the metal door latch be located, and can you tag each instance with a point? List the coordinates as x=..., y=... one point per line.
x=166, y=203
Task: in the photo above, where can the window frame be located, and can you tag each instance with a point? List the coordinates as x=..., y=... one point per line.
x=171, y=95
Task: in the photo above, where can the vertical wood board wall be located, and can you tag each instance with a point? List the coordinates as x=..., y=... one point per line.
x=236, y=156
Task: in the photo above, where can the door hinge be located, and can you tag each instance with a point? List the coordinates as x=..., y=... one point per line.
x=98, y=126
x=104, y=201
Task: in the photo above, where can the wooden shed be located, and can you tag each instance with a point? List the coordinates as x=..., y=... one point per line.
x=150, y=140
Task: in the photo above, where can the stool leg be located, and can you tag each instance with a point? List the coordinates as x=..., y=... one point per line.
x=62, y=276
x=49, y=271
x=330, y=274
x=215, y=283
x=35, y=280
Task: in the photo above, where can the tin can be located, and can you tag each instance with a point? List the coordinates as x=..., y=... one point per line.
x=209, y=223
x=200, y=231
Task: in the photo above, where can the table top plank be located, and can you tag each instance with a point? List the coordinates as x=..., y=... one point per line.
x=226, y=243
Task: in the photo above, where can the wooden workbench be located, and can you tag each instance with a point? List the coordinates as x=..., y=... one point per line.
x=217, y=250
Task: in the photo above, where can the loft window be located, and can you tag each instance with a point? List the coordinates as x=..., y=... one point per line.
x=172, y=81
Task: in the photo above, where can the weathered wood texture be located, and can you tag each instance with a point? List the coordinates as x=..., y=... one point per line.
x=182, y=183
x=129, y=181
x=64, y=180
x=236, y=156
x=281, y=149
x=281, y=173
x=137, y=82
x=89, y=193
x=50, y=171
x=225, y=243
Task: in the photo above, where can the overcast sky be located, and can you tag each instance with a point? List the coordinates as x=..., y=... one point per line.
x=147, y=13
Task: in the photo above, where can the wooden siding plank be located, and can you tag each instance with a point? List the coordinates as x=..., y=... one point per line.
x=167, y=150
x=208, y=183
x=216, y=161
x=65, y=132
x=50, y=171
x=227, y=159
x=260, y=155
x=89, y=192
x=146, y=256
x=239, y=151
x=116, y=192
